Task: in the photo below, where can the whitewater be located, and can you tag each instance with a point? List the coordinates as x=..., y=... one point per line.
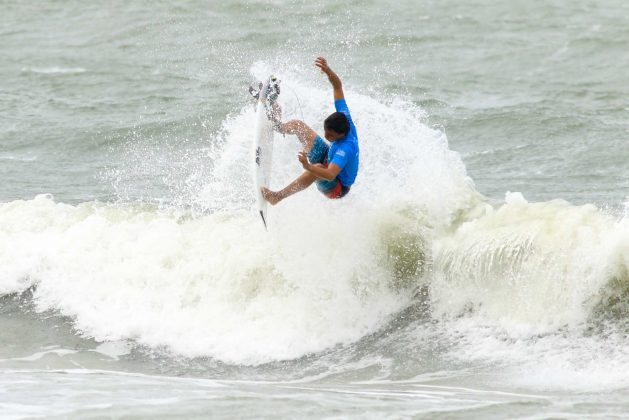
x=454, y=281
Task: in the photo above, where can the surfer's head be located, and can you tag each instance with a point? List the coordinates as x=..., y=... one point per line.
x=336, y=126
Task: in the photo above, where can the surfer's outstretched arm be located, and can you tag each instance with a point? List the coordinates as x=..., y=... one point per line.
x=335, y=80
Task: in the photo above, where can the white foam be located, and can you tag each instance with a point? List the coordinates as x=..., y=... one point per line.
x=558, y=361
x=42, y=354
x=114, y=349
x=540, y=265
x=217, y=286
x=56, y=70
x=18, y=158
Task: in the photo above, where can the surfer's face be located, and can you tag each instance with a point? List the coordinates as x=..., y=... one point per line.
x=331, y=135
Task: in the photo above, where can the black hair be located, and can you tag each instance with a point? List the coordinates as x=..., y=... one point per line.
x=337, y=122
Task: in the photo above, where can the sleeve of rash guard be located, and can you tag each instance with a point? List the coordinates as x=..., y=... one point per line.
x=341, y=106
x=341, y=156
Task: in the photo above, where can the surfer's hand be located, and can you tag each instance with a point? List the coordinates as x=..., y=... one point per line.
x=323, y=65
x=303, y=159
x=333, y=77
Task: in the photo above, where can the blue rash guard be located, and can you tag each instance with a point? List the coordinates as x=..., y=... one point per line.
x=344, y=152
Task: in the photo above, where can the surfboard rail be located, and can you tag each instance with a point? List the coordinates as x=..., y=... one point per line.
x=262, y=150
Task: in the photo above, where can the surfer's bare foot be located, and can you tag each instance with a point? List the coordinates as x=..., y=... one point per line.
x=272, y=197
x=254, y=91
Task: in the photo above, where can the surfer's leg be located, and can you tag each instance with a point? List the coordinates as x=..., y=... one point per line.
x=304, y=133
x=301, y=183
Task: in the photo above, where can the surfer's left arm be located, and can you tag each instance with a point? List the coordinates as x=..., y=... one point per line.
x=319, y=170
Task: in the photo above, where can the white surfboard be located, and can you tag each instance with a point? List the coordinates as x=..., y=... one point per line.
x=262, y=151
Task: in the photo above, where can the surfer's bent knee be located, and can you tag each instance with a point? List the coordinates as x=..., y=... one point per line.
x=295, y=127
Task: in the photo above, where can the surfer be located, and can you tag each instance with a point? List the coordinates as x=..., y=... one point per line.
x=332, y=167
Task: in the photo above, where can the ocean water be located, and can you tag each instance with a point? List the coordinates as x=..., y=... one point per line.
x=479, y=268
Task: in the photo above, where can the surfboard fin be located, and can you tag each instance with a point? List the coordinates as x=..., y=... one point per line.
x=263, y=220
